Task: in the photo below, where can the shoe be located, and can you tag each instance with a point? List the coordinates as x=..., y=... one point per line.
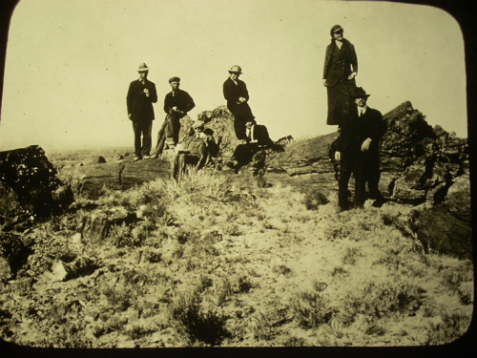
x=136, y=159
x=147, y=157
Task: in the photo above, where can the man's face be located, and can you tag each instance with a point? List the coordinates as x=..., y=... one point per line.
x=234, y=76
x=143, y=75
x=360, y=102
x=338, y=35
x=199, y=132
x=175, y=85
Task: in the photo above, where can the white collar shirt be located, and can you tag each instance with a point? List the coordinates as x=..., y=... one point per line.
x=362, y=110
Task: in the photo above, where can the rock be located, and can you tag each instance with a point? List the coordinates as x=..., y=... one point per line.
x=94, y=226
x=63, y=196
x=101, y=160
x=76, y=238
x=58, y=272
x=440, y=231
x=80, y=266
x=457, y=201
x=29, y=173
x=447, y=227
x=5, y=270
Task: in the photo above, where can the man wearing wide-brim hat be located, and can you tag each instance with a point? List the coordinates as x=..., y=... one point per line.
x=141, y=95
x=194, y=150
x=357, y=151
x=236, y=94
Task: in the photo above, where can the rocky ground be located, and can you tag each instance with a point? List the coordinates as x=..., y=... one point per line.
x=218, y=262
x=98, y=251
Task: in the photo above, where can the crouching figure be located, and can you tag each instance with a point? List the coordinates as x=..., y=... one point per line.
x=195, y=150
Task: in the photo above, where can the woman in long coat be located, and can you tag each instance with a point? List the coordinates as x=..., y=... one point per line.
x=340, y=70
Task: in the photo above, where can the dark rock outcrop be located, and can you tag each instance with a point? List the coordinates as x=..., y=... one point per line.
x=29, y=183
x=446, y=227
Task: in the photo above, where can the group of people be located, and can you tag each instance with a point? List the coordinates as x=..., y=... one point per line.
x=360, y=127
x=199, y=144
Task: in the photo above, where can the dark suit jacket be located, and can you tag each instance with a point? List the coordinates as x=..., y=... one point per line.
x=139, y=105
x=182, y=100
x=332, y=71
x=260, y=135
x=355, y=131
x=233, y=91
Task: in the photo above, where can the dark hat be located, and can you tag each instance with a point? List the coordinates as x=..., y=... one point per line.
x=174, y=79
x=359, y=92
x=336, y=28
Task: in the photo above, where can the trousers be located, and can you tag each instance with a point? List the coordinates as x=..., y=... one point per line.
x=142, y=129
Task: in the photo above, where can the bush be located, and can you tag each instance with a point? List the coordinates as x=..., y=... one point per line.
x=204, y=326
x=314, y=199
x=311, y=310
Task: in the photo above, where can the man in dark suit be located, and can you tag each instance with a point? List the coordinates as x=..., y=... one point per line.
x=236, y=94
x=357, y=151
x=257, y=141
x=141, y=95
x=176, y=105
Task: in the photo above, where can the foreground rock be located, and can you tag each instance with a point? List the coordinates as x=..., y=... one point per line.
x=29, y=185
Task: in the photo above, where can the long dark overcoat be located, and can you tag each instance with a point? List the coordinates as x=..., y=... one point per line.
x=138, y=104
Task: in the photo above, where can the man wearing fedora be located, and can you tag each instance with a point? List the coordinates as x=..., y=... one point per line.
x=236, y=94
x=141, y=95
x=357, y=152
x=177, y=104
x=195, y=149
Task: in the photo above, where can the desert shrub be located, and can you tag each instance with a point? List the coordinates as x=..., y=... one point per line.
x=205, y=326
x=314, y=199
x=337, y=231
x=120, y=299
x=351, y=256
x=114, y=323
x=138, y=331
x=453, y=326
x=120, y=235
x=205, y=283
x=230, y=228
x=262, y=328
x=311, y=310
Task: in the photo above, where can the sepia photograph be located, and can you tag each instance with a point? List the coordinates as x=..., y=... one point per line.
x=234, y=174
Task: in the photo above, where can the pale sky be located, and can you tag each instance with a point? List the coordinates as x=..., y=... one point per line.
x=69, y=63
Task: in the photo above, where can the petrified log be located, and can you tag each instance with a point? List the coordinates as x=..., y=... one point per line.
x=418, y=162
x=94, y=226
x=446, y=228
x=29, y=173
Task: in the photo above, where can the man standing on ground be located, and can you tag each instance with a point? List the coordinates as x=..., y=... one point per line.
x=176, y=105
x=236, y=94
x=357, y=152
x=195, y=150
x=141, y=95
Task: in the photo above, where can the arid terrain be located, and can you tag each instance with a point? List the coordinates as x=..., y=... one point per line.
x=223, y=259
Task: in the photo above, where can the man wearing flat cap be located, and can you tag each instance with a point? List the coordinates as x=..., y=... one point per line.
x=236, y=94
x=357, y=152
x=194, y=149
x=176, y=105
x=141, y=95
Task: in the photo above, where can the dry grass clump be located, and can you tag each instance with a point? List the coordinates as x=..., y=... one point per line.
x=204, y=326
